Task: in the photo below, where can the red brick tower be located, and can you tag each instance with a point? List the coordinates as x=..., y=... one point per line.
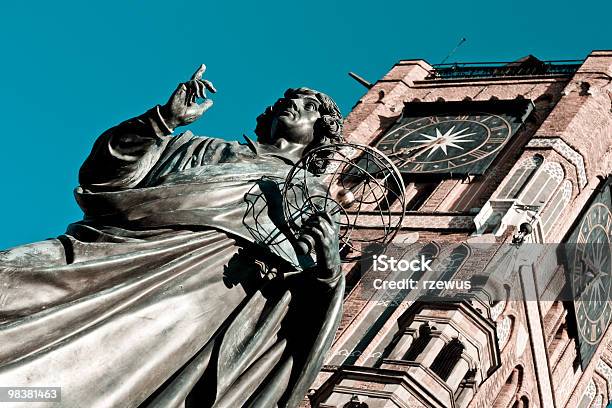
x=544, y=160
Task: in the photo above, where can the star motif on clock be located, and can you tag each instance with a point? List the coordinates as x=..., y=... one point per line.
x=443, y=141
x=452, y=139
x=451, y=143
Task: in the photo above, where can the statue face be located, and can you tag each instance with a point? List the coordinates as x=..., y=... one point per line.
x=294, y=119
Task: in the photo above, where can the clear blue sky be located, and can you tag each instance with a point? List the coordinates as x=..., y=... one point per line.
x=72, y=69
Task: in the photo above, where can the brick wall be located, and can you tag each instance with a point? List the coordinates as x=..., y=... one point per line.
x=576, y=110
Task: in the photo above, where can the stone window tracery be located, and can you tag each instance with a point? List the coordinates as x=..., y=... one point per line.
x=542, y=185
x=558, y=202
x=520, y=177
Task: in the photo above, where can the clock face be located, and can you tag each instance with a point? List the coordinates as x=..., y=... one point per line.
x=591, y=272
x=445, y=143
x=459, y=140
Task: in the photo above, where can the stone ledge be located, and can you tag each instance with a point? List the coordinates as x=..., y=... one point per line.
x=422, y=222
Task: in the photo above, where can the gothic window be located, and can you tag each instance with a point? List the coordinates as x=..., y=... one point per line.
x=558, y=336
x=451, y=263
x=557, y=344
x=372, y=319
x=557, y=204
x=509, y=389
x=418, y=344
x=447, y=359
x=520, y=177
x=522, y=403
x=417, y=194
x=543, y=184
x=355, y=402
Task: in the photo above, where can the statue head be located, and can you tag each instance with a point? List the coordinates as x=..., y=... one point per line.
x=303, y=116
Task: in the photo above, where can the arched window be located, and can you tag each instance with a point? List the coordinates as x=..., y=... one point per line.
x=385, y=302
x=451, y=263
x=556, y=206
x=520, y=177
x=447, y=359
x=355, y=402
x=522, y=403
x=419, y=344
x=509, y=389
x=543, y=185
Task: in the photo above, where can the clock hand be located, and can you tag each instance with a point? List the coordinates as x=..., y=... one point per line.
x=592, y=268
x=406, y=150
x=592, y=275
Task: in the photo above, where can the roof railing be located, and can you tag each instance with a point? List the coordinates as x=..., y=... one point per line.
x=505, y=69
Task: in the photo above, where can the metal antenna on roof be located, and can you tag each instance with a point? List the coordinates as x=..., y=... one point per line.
x=450, y=54
x=359, y=79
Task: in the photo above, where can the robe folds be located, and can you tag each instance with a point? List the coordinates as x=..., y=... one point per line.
x=179, y=288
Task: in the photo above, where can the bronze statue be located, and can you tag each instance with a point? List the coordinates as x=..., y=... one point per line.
x=181, y=286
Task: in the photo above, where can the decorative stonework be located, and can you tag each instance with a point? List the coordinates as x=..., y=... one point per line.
x=598, y=403
x=388, y=298
x=504, y=328
x=567, y=152
x=554, y=169
x=497, y=310
x=422, y=221
x=591, y=390
x=606, y=372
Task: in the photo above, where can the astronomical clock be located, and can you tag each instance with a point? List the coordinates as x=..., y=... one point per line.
x=589, y=260
x=452, y=138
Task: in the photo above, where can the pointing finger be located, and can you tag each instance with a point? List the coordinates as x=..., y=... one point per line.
x=198, y=74
x=204, y=84
x=209, y=86
x=201, y=93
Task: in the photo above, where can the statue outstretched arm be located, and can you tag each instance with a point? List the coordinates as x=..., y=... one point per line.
x=122, y=156
x=182, y=108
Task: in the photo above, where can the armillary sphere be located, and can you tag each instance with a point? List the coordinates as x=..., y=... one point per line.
x=358, y=185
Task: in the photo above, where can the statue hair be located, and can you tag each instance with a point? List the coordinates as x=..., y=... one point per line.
x=327, y=129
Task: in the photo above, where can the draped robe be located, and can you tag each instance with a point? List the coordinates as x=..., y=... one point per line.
x=180, y=287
